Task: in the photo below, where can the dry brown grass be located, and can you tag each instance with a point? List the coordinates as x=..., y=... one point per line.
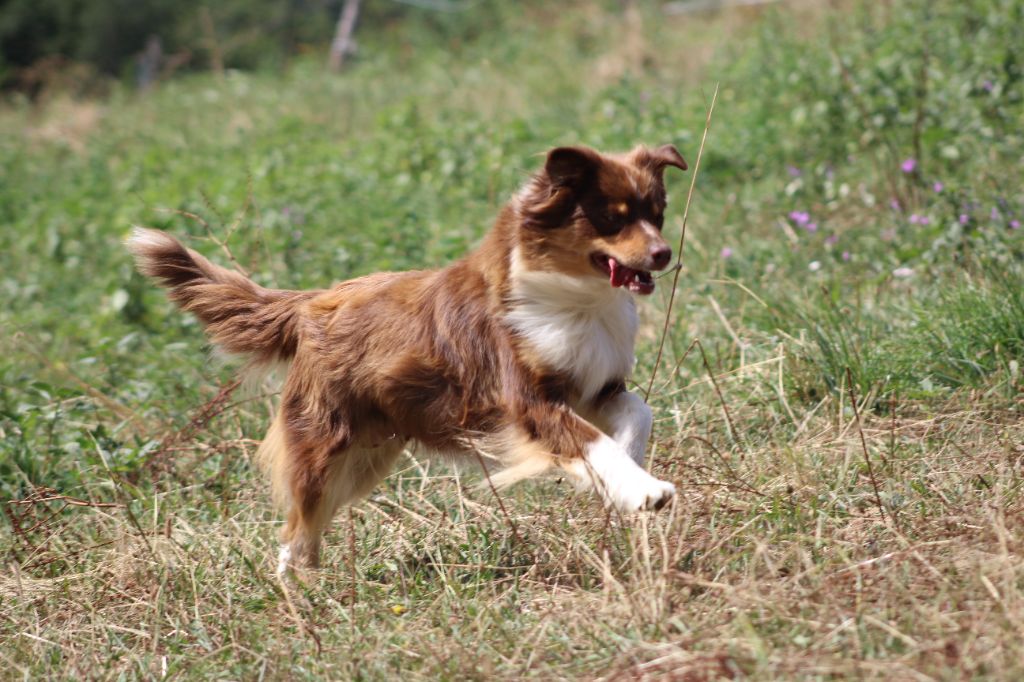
x=775, y=562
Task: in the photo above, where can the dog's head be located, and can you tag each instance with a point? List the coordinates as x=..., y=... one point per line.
x=593, y=214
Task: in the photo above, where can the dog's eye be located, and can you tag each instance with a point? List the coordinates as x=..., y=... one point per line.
x=618, y=212
x=608, y=216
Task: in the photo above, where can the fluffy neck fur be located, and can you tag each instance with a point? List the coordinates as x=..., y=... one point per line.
x=576, y=325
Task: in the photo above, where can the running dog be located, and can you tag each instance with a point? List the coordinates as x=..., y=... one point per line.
x=517, y=353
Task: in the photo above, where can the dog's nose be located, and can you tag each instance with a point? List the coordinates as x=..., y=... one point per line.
x=661, y=256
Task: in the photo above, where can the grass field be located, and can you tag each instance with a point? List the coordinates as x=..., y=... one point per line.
x=839, y=401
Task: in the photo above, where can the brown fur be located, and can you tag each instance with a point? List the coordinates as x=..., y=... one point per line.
x=425, y=355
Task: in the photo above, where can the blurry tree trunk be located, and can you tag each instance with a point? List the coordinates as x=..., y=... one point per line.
x=210, y=38
x=343, y=44
x=149, y=63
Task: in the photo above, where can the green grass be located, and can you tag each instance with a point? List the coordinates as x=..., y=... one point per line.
x=812, y=539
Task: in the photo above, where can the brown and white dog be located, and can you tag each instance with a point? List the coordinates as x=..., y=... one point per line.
x=518, y=352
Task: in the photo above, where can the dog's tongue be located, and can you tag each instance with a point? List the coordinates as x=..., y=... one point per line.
x=635, y=280
x=619, y=274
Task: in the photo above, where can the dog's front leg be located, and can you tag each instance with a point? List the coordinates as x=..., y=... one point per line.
x=613, y=463
x=595, y=459
x=628, y=420
x=609, y=468
x=551, y=433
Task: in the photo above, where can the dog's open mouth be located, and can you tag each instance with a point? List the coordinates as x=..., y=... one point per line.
x=619, y=275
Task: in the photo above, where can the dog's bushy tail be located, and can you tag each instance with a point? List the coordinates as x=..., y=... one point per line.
x=240, y=316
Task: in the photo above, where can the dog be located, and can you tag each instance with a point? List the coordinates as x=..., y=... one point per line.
x=516, y=355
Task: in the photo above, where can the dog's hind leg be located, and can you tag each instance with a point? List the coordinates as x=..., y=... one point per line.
x=317, y=493
x=311, y=482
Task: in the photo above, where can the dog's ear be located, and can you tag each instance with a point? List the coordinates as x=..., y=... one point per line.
x=555, y=192
x=665, y=155
x=572, y=167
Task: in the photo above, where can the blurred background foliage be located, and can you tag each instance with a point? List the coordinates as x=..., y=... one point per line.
x=106, y=38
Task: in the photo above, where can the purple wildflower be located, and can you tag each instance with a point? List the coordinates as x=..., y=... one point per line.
x=811, y=227
x=799, y=217
x=938, y=187
x=988, y=85
x=794, y=172
x=894, y=204
x=909, y=165
x=914, y=219
x=846, y=256
x=726, y=252
x=1014, y=224
x=832, y=239
x=964, y=218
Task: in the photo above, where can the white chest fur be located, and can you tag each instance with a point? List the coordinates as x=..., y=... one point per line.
x=576, y=325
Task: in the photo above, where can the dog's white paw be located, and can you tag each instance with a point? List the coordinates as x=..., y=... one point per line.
x=644, y=495
x=284, y=560
x=619, y=480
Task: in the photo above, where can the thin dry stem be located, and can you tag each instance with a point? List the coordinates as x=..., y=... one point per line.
x=682, y=240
